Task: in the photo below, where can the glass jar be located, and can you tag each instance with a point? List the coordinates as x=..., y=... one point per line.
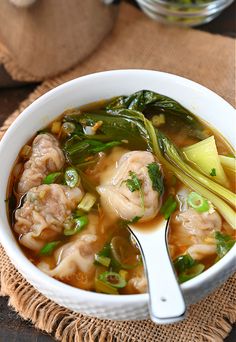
x=183, y=12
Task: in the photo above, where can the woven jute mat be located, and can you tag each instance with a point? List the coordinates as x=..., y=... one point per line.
x=136, y=42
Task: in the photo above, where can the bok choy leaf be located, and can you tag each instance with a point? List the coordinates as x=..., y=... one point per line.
x=145, y=100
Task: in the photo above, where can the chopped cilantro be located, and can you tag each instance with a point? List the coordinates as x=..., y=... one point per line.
x=133, y=183
x=156, y=177
x=213, y=172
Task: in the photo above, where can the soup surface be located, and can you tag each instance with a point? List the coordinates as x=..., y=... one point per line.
x=78, y=183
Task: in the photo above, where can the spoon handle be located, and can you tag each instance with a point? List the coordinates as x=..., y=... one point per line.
x=166, y=302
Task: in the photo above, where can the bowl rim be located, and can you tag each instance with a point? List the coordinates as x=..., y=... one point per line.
x=93, y=297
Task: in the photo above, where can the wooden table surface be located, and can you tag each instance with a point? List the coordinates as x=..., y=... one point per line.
x=12, y=327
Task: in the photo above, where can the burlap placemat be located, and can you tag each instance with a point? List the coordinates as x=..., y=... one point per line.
x=137, y=42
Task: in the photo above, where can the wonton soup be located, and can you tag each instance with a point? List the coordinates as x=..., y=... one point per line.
x=78, y=183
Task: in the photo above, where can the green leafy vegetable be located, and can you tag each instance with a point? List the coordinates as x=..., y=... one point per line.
x=223, y=244
x=197, y=202
x=168, y=207
x=78, y=151
x=53, y=178
x=49, y=248
x=116, y=126
x=156, y=177
x=187, y=268
x=145, y=100
x=213, y=172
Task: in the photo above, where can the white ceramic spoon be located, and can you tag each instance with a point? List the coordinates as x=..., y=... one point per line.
x=166, y=302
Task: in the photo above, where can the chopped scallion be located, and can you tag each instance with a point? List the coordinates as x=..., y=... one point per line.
x=77, y=224
x=124, y=274
x=49, y=248
x=52, y=178
x=168, y=207
x=68, y=127
x=105, y=261
x=102, y=287
x=198, y=202
x=87, y=202
x=72, y=177
x=112, y=279
x=191, y=273
x=187, y=268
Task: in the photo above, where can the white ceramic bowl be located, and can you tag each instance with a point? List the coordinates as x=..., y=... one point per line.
x=83, y=90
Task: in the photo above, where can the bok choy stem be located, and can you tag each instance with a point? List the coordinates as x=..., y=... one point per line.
x=224, y=209
x=172, y=154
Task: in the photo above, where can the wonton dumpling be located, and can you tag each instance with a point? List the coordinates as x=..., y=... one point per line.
x=195, y=231
x=201, y=251
x=46, y=157
x=117, y=196
x=76, y=255
x=44, y=211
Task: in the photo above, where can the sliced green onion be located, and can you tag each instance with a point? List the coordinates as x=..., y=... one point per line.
x=187, y=268
x=120, y=251
x=68, y=127
x=124, y=274
x=168, y=207
x=72, y=177
x=78, y=223
x=197, y=202
x=102, y=287
x=105, y=251
x=191, y=273
x=105, y=261
x=49, y=248
x=52, y=178
x=112, y=279
x=87, y=202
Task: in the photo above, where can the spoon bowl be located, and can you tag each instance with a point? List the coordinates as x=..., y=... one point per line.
x=166, y=302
